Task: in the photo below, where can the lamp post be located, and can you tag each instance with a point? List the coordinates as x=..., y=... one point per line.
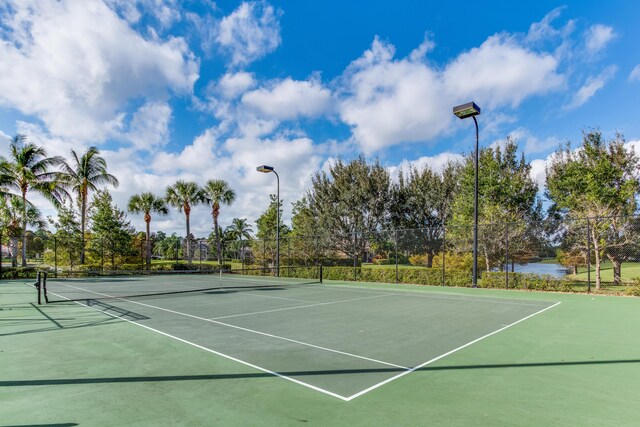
x=465, y=111
x=268, y=169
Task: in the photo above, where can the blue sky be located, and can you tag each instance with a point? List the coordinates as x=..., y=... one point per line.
x=201, y=89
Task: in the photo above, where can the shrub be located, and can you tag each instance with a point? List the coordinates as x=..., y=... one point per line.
x=19, y=272
x=633, y=289
x=528, y=281
x=418, y=259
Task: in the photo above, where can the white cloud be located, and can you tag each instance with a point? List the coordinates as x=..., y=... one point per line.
x=635, y=74
x=165, y=12
x=249, y=32
x=533, y=144
x=539, y=171
x=232, y=85
x=591, y=87
x=436, y=163
x=149, y=128
x=78, y=80
x=289, y=99
x=194, y=158
x=597, y=37
x=387, y=101
x=501, y=72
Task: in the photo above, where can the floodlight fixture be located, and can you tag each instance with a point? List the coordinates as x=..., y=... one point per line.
x=265, y=169
x=464, y=111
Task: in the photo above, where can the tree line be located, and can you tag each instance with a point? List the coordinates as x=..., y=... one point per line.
x=354, y=200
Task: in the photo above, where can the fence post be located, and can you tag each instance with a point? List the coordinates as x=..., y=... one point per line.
x=55, y=255
x=264, y=253
x=506, y=255
x=395, y=235
x=588, y=256
x=355, y=255
x=444, y=250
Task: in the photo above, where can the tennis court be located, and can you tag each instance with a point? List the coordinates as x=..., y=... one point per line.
x=341, y=342
x=309, y=334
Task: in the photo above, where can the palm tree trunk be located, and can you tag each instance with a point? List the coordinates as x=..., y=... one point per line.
x=186, y=214
x=215, y=229
x=148, y=242
x=24, y=229
x=13, y=248
x=83, y=216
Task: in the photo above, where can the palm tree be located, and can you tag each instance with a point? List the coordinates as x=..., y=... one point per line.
x=184, y=195
x=217, y=192
x=12, y=215
x=29, y=168
x=147, y=203
x=241, y=228
x=84, y=174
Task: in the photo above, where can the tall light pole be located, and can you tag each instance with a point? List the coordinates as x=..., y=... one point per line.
x=269, y=169
x=464, y=111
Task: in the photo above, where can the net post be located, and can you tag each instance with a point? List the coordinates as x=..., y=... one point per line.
x=45, y=275
x=38, y=284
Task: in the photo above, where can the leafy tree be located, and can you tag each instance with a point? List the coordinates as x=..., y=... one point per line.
x=147, y=203
x=424, y=201
x=507, y=203
x=13, y=214
x=351, y=201
x=29, y=168
x=240, y=230
x=267, y=230
x=305, y=239
x=184, y=195
x=167, y=247
x=599, y=180
x=66, y=238
x=112, y=232
x=216, y=192
x=83, y=174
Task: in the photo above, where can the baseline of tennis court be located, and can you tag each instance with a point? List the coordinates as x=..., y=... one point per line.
x=343, y=341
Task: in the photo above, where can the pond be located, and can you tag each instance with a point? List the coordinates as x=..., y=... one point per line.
x=555, y=270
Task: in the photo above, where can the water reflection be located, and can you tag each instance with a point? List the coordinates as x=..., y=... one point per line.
x=555, y=270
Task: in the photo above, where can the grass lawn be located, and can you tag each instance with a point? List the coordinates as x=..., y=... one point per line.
x=630, y=271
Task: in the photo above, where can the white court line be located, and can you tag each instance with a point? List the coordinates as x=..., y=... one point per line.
x=428, y=362
x=274, y=297
x=420, y=294
x=226, y=356
x=296, y=307
x=254, y=331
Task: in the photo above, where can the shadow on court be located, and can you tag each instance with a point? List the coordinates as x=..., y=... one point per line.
x=77, y=381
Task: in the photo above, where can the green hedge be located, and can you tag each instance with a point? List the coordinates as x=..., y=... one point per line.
x=527, y=281
x=20, y=272
x=416, y=276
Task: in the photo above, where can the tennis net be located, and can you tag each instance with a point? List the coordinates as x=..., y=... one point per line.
x=150, y=285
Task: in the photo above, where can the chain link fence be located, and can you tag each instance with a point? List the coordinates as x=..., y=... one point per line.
x=566, y=255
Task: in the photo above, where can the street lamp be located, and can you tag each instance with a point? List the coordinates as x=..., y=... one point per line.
x=268, y=169
x=465, y=111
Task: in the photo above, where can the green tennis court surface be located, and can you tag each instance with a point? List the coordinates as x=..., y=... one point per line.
x=331, y=354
